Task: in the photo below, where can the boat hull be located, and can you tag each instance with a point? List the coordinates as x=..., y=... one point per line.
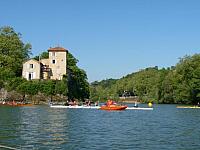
x=98, y=107
x=113, y=107
x=138, y=108
x=75, y=107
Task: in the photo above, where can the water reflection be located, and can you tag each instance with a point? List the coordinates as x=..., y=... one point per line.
x=43, y=126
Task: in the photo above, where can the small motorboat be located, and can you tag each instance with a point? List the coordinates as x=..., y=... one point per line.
x=113, y=107
x=110, y=105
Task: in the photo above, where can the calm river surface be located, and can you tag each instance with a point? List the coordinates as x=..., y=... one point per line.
x=41, y=127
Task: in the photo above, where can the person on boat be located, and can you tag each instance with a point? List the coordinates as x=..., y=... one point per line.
x=109, y=102
x=89, y=103
x=67, y=103
x=71, y=103
x=96, y=103
x=4, y=102
x=75, y=103
x=14, y=103
x=136, y=105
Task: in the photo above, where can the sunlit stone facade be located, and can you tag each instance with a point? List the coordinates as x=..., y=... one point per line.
x=53, y=68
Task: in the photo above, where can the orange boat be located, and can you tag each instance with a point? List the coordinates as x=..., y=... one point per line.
x=113, y=107
x=110, y=105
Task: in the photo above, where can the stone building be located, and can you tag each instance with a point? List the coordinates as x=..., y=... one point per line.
x=52, y=68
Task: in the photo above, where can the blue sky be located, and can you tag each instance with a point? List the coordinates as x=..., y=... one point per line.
x=110, y=38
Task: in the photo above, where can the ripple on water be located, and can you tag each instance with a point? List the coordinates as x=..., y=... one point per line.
x=45, y=128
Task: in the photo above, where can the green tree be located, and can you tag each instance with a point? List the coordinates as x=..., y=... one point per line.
x=61, y=87
x=5, y=75
x=23, y=89
x=166, y=86
x=43, y=55
x=30, y=88
x=12, y=51
x=13, y=83
x=47, y=87
x=187, y=75
x=78, y=86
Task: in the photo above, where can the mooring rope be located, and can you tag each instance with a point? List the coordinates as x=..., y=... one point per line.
x=7, y=147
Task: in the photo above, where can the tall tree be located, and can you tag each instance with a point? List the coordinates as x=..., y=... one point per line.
x=12, y=50
x=78, y=86
x=187, y=74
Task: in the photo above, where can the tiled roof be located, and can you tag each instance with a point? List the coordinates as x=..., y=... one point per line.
x=57, y=49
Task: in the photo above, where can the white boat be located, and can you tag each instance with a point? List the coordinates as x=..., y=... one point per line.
x=95, y=107
x=138, y=108
x=75, y=106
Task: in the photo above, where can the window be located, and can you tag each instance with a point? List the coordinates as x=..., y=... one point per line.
x=31, y=66
x=30, y=76
x=53, y=54
x=53, y=61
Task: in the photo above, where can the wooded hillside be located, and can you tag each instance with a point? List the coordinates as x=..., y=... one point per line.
x=176, y=84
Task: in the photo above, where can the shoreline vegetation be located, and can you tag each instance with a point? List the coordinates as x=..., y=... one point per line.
x=179, y=84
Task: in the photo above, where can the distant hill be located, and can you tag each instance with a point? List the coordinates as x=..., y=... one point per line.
x=175, y=84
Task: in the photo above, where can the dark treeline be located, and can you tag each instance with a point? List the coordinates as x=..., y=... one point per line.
x=13, y=52
x=178, y=84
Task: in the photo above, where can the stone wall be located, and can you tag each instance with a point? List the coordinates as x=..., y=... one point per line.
x=59, y=67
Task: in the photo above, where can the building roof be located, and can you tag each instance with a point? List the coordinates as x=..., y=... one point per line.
x=31, y=60
x=57, y=49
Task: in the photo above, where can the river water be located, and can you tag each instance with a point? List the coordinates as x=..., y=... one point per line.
x=41, y=127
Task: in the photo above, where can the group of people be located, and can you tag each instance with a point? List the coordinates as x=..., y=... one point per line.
x=71, y=103
x=74, y=103
x=89, y=103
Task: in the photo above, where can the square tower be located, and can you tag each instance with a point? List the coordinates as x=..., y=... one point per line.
x=57, y=62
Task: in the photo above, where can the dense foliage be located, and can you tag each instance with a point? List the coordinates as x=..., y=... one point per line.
x=12, y=54
x=179, y=84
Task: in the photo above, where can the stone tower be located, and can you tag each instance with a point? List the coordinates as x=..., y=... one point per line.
x=57, y=62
